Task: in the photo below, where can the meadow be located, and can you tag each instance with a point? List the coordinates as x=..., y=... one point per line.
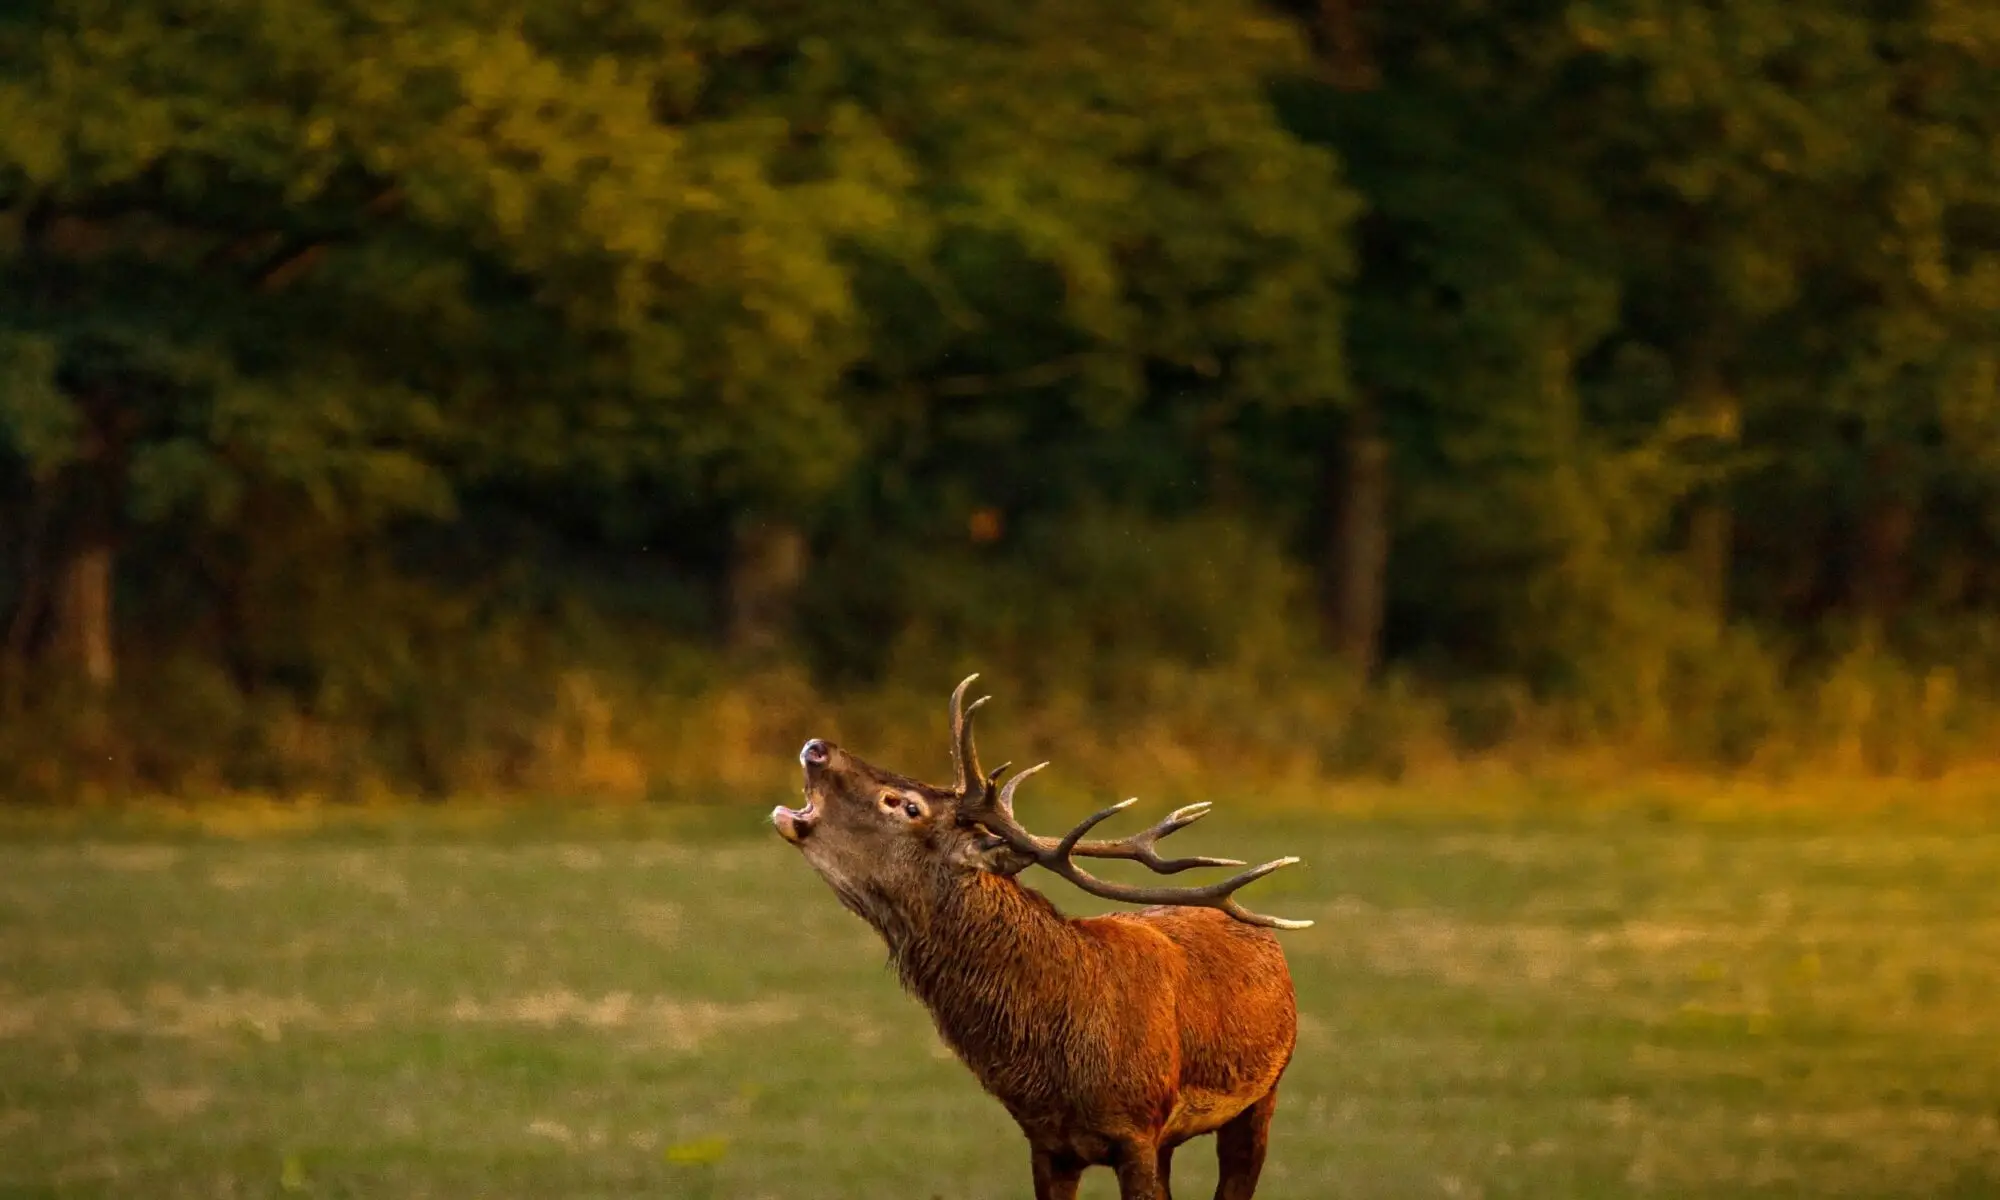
x=671, y=1004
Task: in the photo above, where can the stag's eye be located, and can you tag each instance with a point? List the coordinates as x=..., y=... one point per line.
x=891, y=801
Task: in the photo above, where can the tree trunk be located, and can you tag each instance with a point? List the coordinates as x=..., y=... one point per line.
x=1357, y=553
x=81, y=598
x=1711, y=531
x=767, y=568
x=1343, y=46
x=83, y=652
x=1881, y=563
x=83, y=641
x=1356, y=488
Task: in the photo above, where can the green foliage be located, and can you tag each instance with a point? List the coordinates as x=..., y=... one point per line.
x=1628, y=260
x=1097, y=599
x=420, y=363
x=39, y=421
x=371, y=216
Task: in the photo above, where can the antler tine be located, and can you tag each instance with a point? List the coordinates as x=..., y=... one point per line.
x=1006, y=801
x=1244, y=915
x=1067, y=846
x=1140, y=847
x=1058, y=855
x=1143, y=847
x=1215, y=895
x=964, y=756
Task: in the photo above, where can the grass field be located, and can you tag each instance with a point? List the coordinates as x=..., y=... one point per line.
x=678, y=1007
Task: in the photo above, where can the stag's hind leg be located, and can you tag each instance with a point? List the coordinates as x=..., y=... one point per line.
x=1239, y=1148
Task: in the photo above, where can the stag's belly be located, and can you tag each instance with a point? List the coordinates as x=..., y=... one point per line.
x=1209, y=1099
x=1199, y=1112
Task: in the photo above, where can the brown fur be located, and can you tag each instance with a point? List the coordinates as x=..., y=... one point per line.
x=1111, y=1040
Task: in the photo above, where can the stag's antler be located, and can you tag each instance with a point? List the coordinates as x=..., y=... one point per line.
x=971, y=785
x=978, y=804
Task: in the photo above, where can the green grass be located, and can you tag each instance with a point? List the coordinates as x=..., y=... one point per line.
x=677, y=1007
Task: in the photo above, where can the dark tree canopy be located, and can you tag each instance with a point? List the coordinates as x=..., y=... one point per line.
x=1634, y=361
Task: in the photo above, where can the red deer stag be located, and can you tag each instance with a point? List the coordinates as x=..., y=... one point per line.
x=1111, y=1040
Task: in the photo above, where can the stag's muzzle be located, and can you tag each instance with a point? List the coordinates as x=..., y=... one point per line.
x=795, y=824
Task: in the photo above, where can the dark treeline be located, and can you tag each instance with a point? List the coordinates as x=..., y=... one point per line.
x=511, y=394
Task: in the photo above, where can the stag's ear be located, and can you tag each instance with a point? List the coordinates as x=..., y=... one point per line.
x=984, y=851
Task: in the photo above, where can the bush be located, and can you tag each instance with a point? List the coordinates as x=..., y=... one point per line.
x=1172, y=659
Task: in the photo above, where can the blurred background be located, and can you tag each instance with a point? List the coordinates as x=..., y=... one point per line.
x=1577, y=420
x=510, y=397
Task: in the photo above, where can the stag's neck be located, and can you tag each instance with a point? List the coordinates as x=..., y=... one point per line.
x=997, y=965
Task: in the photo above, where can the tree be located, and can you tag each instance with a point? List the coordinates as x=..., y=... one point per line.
x=370, y=253
x=1118, y=253
x=1626, y=262
x=1813, y=247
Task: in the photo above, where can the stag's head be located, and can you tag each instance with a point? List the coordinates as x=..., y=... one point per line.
x=880, y=838
x=883, y=840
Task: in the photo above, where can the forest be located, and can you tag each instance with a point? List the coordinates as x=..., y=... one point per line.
x=511, y=397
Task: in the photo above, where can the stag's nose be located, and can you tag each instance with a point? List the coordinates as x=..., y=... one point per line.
x=815, y=753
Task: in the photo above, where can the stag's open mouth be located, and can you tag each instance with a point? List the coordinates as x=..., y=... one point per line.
x=795, y=824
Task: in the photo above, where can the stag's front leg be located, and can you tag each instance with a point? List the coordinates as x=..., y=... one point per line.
x=1056, y=1176
x=1139, y=1172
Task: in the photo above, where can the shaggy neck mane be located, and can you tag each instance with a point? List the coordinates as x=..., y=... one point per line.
x=988, y=956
